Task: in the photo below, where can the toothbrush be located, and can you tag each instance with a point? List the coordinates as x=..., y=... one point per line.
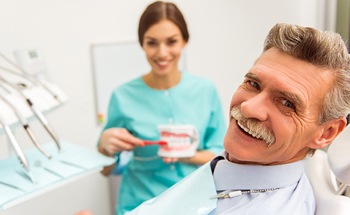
x=165, y=143
x=156, y=142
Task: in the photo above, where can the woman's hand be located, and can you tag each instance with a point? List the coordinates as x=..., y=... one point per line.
x=115, y=140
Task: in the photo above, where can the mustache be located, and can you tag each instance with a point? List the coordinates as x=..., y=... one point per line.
x=254, y=127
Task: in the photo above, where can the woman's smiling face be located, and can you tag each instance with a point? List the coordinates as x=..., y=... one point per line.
x=163, y=44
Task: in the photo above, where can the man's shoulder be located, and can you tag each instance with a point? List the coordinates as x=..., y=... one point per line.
x=191, y=193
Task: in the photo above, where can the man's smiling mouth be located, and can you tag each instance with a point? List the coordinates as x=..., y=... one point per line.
x=249, y=132
x=253, y=127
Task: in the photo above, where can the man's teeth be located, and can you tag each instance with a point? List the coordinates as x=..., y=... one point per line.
x=256, y=135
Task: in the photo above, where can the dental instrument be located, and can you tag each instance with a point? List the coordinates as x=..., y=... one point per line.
x=25, y=124
x=16, y=147
x=36, y=112
x=14, y=143
x=28, y=77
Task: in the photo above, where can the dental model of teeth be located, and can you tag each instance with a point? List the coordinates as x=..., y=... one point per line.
x=182, y=141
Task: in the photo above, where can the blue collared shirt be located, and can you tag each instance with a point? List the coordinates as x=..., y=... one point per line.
x=192, y=195
x=292, y=192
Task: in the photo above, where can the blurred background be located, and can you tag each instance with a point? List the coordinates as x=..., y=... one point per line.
x=226, y=37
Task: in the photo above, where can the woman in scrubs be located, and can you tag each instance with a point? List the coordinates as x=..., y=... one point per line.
x=163, y=96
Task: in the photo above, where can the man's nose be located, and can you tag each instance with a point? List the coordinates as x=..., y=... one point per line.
x=256, y=107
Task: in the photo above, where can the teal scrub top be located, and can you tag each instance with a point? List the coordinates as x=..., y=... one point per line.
x=140, y=109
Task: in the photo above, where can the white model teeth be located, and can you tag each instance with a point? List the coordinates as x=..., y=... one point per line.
x=258, y=136
x=178, y=141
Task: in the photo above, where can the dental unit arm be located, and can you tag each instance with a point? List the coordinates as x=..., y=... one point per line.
x=36, y=81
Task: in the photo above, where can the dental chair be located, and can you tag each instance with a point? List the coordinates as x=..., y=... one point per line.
x=329, y=174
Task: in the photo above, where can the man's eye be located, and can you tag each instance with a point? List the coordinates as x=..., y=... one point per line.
x=254, y=84
x=288, y=104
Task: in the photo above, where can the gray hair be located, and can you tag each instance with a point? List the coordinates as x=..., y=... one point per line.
x=324, y=49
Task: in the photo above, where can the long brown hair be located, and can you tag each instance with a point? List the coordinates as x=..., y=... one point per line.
x=158, y=11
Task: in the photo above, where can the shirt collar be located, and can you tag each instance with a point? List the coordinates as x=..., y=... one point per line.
x=232, y=176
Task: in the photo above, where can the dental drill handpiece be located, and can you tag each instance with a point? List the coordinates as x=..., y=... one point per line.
x=27, y=76
x=45, y=123
x=35, y=141
x=14, y=144
x=26, y=127
x=36, y=112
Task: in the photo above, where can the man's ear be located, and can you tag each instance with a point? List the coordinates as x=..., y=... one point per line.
x=329, y=131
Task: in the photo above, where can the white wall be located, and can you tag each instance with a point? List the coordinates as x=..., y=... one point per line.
x=225, y=38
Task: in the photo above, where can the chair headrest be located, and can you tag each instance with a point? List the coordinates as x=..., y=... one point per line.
x=339, y=161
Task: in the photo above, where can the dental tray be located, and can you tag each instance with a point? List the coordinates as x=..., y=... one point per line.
x=73, y=162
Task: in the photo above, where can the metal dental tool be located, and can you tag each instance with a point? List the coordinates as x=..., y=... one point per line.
x=25, y=124
x=19, y=152
x=36, y=112
x=28, y=77
x=14, y=144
